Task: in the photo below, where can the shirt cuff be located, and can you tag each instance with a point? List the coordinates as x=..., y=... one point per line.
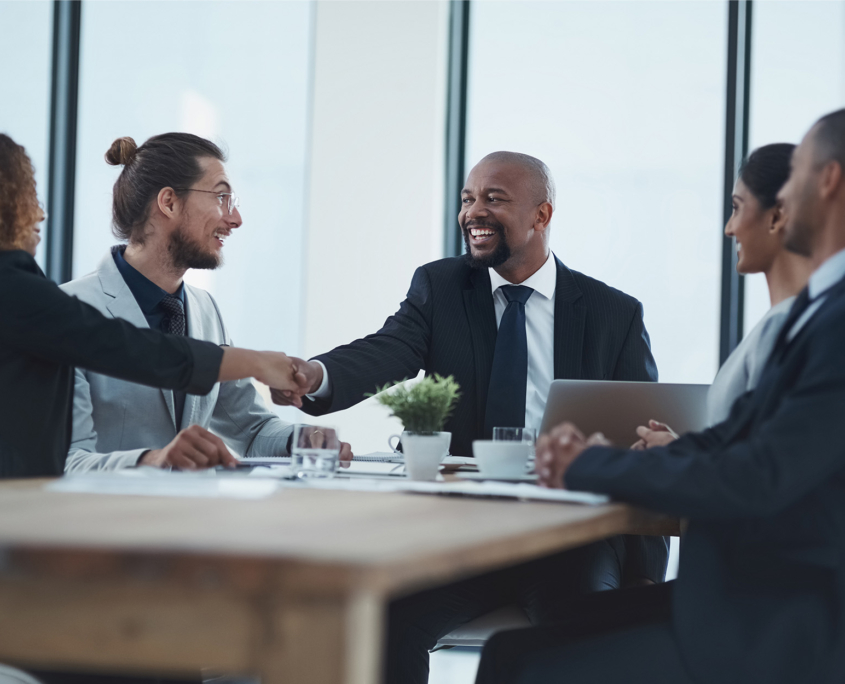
x=207, y=359
x=324, y=391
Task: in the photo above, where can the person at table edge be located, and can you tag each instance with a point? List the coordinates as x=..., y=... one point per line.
x=505, y=319
x=760, y=594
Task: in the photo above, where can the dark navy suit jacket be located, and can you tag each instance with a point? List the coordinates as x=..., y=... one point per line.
x=760, y=595
x=447, y=325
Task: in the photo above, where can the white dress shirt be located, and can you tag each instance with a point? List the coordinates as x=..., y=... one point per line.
x=539, y=333
x=823, y=278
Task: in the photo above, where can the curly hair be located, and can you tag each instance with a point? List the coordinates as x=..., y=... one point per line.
x=19, y=209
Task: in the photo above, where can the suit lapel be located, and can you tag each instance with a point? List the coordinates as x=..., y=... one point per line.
x=481, y=314
x=125, y=306
x=197, y=330
x=570, y=315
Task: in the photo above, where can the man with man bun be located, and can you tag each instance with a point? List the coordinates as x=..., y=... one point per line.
x=175, y=207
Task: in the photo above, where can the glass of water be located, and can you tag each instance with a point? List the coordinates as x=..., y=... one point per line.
x=517, y=434
x=315, y=451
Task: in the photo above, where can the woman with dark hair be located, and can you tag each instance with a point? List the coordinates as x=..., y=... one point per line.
x=44, y=334
x=757, y=224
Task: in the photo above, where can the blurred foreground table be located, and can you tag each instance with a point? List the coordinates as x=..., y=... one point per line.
x=293, y=587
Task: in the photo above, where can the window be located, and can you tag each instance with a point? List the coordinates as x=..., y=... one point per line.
x=797, y=76
x=25, y=83
x=238, y=74
x=627, y=108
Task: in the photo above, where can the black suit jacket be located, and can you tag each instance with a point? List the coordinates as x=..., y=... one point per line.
x=447, y=325
x=44, y=333
x=760, y=595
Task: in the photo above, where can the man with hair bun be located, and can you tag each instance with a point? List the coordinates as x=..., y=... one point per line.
x=505, y=320
x=174, y=206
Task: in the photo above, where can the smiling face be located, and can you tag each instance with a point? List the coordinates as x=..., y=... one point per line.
x=504, y=222
x=204, y=221
x=758, y=231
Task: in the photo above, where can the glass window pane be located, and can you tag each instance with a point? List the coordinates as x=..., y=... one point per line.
x=627, y=108
x=797, y=76
x=25, y=53
x=236, y=73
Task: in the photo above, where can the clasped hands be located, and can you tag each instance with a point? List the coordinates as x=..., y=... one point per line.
x=557, y=450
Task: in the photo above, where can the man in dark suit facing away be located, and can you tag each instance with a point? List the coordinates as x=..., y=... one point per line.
x=760, y=594
x=505, y=320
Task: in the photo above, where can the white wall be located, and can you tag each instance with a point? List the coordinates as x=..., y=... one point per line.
x=376, y=177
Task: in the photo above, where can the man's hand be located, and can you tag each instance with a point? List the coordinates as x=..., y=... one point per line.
x=557, y=450
x=311, y=374
x=193, y=448
x=656, y=434
x=275, y=369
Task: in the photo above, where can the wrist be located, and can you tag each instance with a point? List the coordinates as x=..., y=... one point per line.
x=317, y=370
x=151, y=457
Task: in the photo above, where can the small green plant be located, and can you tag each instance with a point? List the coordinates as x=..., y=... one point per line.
x=424, y=407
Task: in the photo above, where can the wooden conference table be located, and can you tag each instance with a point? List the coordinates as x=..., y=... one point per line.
x=292, y=587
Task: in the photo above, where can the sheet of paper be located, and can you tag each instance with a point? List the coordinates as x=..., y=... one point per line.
x=137, y=482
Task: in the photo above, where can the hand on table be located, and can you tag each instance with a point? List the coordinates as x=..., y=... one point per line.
x=191, y=449
x=558, y=449
x=311, y=375
x=656, y=434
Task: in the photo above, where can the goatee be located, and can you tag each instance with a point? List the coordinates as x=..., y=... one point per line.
x=496, y=258
x=186, y=252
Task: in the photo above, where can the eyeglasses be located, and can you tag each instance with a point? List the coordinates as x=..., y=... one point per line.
x=233, y=201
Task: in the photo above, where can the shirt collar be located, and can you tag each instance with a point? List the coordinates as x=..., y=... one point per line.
x=146, y=292
x=543, y=281
x=827, y=275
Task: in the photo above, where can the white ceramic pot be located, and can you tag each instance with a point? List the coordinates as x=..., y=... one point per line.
x=501, y=460
x=423, y=454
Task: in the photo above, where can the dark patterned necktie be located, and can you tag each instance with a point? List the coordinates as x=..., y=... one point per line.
x=175, y=324
x=175, y=315
x=509, y=375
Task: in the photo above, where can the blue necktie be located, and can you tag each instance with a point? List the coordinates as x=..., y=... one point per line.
x=509, y=375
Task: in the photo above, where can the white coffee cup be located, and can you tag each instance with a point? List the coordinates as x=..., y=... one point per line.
x=501, y=460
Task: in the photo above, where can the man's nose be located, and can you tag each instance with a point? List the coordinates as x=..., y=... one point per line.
x=234, y=219
x=474, y=210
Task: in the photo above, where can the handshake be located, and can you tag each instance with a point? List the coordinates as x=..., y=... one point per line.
x=288, y=377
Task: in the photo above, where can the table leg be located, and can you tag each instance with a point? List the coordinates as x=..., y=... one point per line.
x=324, y=640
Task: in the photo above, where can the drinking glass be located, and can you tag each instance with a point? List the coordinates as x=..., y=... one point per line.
x=315, y=451
x=517, y=434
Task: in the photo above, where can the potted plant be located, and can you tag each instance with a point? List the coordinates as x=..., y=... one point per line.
x=423, y=409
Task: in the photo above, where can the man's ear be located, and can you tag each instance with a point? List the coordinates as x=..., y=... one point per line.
x=544, y=216
x=167, y=202
x=830, y=179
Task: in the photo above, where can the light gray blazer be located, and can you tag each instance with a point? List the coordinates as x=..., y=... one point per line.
x=115, y=422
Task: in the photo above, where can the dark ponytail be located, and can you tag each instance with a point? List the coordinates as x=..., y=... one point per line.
x=766, y=170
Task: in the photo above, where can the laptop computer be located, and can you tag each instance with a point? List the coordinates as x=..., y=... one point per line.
x=617, y=408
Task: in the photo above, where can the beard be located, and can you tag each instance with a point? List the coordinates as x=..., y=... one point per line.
x=186, y=252
x=497, y=257
x=797, y=240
